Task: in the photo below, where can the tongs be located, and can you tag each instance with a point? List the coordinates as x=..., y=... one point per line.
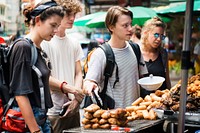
x=96, y=99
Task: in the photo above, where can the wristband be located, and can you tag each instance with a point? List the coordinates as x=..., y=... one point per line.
x=38, y=131
x=61, y=86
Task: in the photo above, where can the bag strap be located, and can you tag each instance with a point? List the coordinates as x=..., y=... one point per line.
x=110, y=64
x=41, y=85
x=9, y=104
x=34, y=56
x=136, y=49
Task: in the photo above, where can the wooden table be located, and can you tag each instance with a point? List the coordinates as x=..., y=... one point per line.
x=135, y=126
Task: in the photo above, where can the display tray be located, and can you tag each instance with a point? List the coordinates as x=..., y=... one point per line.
x=190, y=117
x=135, y=126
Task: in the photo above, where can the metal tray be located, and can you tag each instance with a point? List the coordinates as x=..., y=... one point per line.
x=190, y=117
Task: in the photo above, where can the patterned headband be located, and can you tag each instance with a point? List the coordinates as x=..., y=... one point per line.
x=38, y=10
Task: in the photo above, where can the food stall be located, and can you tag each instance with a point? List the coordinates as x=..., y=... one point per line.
x=159, y=109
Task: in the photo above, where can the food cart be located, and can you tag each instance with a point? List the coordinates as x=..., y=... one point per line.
x=164, y=103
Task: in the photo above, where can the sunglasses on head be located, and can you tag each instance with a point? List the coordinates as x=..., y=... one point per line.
x=46, y=59
x=156, y=35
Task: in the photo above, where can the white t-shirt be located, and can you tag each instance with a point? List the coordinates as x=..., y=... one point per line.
x=63, y=52
x=127, y=89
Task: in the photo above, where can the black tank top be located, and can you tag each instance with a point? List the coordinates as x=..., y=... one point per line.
x=157, y=69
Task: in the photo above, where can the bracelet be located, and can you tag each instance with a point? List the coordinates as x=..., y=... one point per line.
x=38, y=131
x=61, y=86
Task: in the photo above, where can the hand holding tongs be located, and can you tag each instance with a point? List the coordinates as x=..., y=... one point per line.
x=96, y=98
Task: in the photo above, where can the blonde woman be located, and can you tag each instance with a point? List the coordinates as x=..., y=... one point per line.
x=155, y=56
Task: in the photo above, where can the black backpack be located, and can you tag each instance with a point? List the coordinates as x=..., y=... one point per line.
x=5, y=52
x=108, y=102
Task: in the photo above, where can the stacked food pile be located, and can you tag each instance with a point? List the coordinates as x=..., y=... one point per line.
x=94, y=117
x=143, y=108
x=193, y=95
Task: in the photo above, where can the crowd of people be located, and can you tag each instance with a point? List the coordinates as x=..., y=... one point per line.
x=59, y=60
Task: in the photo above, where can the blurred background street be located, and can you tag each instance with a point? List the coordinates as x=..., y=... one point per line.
x=89, y=28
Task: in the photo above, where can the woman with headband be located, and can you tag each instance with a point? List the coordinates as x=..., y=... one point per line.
x=43, y=21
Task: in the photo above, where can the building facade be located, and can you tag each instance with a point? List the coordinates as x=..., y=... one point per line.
x=11, y=17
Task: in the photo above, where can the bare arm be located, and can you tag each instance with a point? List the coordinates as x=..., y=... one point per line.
x=55, y=84
x=27, y=113
x=78, y=75
x=75, y=103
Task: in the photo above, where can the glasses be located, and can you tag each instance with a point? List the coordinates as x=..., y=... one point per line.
x=46, y=59
x=156, y=35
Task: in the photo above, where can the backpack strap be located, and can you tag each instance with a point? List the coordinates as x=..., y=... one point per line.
x=110, y=64
x=41, y=85
x=34, y=56
x=164, y=56
x=137, y=52
x=34, y=53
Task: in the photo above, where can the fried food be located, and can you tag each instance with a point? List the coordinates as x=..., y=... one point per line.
x=85, y=121
x=152, y=114
x=103, y=121
x=106, y=114
x=147, y=98
x=88, y=115
x=112, y=121
x=87, y=126
x=94, y=120
x=105, y=126
x=92, y=108
x=145, y=114
x=98, y=113
x=95, y=126
x=137, y=101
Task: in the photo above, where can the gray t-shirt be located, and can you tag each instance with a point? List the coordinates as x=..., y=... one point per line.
x=127, y=89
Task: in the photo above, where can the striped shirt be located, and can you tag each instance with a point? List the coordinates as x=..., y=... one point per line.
x=127, y=89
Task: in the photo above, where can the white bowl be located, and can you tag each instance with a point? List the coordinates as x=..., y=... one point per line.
x=151, y=83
